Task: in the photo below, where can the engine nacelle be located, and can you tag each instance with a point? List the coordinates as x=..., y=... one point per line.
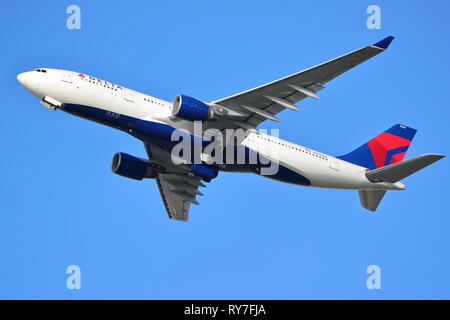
x=131, y=167
x=191, y=109
x=204, y=172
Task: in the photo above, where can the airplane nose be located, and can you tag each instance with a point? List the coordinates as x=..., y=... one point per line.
x=31, y=81
x=21, y=78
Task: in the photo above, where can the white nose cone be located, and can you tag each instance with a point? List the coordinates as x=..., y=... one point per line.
x=32, y=82
x=21, y=77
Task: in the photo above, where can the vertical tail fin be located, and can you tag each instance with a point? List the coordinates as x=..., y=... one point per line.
x=387, y=148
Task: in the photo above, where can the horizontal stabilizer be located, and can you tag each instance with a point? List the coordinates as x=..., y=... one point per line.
x=370, y=199
x=400, y=170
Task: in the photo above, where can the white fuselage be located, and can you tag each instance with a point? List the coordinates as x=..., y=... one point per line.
x=111, y=101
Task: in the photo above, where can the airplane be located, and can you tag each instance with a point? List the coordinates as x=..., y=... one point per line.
x=372, y=169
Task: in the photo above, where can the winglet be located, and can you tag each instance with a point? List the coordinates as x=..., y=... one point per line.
x=384, y=44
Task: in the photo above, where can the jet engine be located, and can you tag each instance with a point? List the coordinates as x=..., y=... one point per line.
x=204, y=172
x=131, y=167
x=191, y=109
x=195, y=110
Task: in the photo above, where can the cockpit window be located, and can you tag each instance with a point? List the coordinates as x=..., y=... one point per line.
x=41, y=70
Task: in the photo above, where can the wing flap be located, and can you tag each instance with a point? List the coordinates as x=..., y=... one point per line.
x=178, y=192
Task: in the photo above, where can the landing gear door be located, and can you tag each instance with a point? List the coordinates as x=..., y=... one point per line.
x=67, y=76
x=334, y=163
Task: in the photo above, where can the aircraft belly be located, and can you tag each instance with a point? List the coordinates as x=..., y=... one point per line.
x=319, y=172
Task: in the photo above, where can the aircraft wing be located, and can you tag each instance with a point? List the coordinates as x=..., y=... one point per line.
x=178, y=192
x=264, y=102
x=178, y=187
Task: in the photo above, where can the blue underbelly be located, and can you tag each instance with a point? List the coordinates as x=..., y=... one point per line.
x=159, y=134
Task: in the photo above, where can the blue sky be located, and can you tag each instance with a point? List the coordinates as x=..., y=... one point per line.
x=251, y=238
